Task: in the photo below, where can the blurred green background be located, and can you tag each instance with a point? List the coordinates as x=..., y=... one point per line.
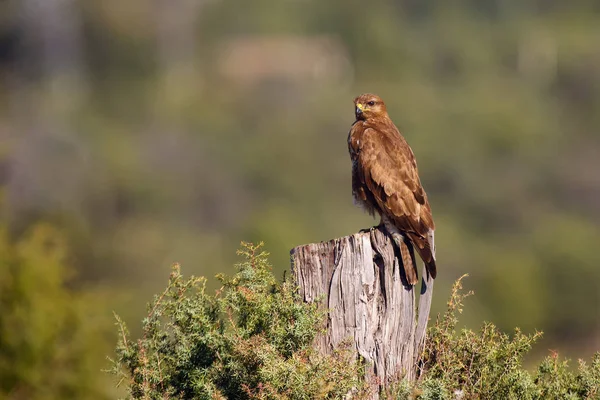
x=135, y=134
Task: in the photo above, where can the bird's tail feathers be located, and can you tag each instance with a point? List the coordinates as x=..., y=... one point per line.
x=431, y=266
x=408, y=261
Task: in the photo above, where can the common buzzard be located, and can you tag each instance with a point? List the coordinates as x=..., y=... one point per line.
x=385, y=180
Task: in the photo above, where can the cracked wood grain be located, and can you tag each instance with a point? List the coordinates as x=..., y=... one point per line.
x=360, y=279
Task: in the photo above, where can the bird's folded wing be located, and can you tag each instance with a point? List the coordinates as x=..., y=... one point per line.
x=389, y=170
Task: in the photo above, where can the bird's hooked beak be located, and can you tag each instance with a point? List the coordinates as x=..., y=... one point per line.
x=358, y=111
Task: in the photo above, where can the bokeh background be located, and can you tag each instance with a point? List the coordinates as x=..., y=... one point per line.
x=135, y=134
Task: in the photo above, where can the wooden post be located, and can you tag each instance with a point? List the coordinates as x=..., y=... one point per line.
x=361, y=281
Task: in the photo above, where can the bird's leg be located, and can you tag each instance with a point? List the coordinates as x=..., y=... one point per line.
x=408, y=262
x=393, y=231
x=373, y=228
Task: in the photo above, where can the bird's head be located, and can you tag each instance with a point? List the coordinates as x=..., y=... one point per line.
x=368, y=106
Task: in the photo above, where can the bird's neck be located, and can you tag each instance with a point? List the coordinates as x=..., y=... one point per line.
x=379, y=120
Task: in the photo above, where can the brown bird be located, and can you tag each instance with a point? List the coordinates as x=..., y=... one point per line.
x=385, y=179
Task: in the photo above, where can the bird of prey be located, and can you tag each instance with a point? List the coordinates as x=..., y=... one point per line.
x=385, y=180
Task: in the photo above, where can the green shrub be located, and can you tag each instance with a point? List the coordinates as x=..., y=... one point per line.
x=488, y=365
x=53, y=339
x=251, y=340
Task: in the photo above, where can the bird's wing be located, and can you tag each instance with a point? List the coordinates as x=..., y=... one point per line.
x=389, y=171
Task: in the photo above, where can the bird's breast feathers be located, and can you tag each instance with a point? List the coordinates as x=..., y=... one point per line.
x=354, y=139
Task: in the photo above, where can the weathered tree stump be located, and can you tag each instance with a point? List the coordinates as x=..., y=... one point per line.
x=360, y=279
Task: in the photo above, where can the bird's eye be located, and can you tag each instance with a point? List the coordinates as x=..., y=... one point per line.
x=371, y=103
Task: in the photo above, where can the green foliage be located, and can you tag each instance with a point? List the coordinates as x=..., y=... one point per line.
x=488, y=365
x=484, y=364
x=251, y=340
x=555, y=379
x=52, y=339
